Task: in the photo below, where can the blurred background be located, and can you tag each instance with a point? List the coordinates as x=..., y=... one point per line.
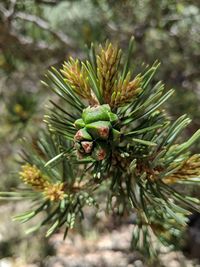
x=35, y=34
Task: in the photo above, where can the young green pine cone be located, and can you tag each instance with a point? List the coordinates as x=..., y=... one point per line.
x=96, y=132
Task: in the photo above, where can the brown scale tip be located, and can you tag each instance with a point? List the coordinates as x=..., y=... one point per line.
x=78, y=136
x=104, y=132
x=87, y=146
x=101, y=154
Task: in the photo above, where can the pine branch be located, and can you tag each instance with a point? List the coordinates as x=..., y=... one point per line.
x=109, y=132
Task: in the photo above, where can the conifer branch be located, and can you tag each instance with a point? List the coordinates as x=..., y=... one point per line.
x=110, y=132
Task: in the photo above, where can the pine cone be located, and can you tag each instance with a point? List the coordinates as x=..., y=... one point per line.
x=96, y=133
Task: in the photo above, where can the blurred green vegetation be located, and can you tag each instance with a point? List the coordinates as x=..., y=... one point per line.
x=35, y=34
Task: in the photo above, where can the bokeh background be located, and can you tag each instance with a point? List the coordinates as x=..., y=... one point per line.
x=36, y=34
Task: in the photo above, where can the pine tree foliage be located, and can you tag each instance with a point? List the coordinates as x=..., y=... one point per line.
x=19, y=107
x=110, y=132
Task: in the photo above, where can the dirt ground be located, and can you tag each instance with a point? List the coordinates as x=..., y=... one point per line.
x=107, y=248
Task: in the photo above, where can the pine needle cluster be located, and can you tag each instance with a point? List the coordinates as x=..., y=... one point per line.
x=110, y=132
x=20, y=107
